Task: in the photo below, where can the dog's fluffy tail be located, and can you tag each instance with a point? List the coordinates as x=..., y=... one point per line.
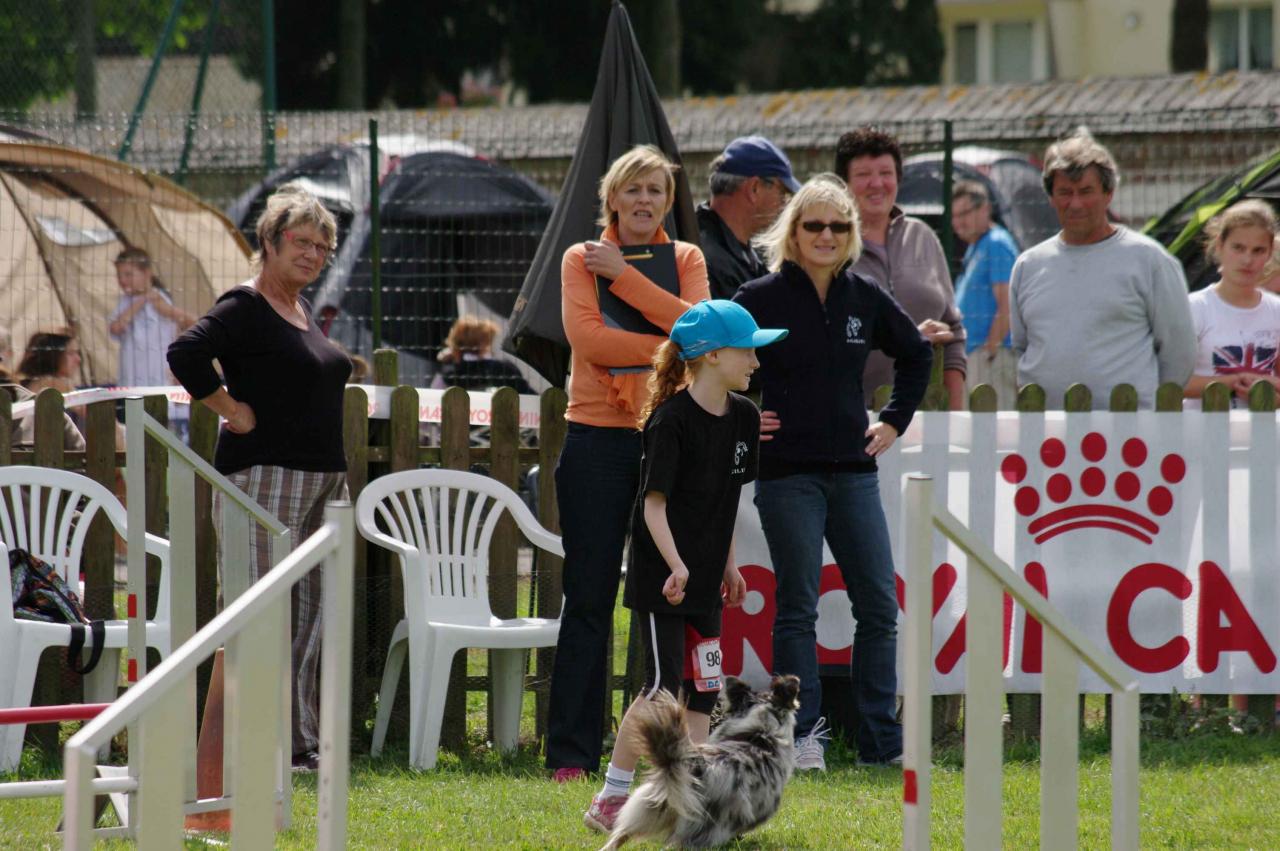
x=662, y=737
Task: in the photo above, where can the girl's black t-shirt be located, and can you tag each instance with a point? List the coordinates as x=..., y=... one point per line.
x=700, y=461
x=293, y=379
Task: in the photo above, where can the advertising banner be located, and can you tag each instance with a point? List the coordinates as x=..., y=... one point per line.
x=1155, y=533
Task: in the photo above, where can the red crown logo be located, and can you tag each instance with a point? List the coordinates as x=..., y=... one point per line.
x=1099, y=512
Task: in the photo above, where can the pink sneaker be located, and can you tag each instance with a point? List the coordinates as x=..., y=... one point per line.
x=569, y=774
x=604, y=812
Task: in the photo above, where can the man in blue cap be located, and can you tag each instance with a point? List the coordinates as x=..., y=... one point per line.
x=750, y=182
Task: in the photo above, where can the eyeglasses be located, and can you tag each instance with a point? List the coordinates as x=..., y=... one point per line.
x=306, y=246
x=955, y=214
x=837, y=228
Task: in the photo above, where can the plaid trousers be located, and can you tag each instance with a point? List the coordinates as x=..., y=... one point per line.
x=297, y=498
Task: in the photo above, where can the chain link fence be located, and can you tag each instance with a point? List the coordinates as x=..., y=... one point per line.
x=465, y=195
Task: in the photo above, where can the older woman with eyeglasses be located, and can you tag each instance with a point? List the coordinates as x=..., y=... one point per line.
x=282, y=402
x=817, y=477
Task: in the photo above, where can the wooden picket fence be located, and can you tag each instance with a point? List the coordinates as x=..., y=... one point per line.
x=374, y=447
x=378, y=446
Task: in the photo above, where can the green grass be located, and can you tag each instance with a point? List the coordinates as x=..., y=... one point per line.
x=1202, y=787
x=1205, y=791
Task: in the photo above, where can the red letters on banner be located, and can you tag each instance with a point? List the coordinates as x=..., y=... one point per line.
x=1224, y=624
x=1218, y=600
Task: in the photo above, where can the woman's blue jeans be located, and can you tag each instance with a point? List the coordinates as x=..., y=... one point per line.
x=796, y=513
x=596, y=483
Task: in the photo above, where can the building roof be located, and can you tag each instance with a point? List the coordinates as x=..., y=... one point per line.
x=800, y=119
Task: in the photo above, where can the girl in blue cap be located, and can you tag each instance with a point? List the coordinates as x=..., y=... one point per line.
x=700, y=446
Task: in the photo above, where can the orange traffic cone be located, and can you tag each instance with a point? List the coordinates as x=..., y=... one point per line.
x=209, y=756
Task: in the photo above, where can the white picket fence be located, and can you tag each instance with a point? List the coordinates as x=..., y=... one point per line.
x=1065, y=648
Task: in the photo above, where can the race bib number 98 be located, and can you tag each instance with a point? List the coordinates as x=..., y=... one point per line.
x=706, y=665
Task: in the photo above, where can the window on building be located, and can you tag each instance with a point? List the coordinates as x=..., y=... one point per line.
x=1241, y=38
x=1000, y=51
x=1011, y=53
x=966, y=54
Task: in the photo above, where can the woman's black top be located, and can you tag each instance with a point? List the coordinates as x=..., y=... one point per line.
x=293, y=379
x=812, y=379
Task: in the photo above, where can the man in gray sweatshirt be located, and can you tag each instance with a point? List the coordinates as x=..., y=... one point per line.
x=1098, y=304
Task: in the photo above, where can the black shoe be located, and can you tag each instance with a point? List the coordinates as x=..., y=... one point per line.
x=306, y=761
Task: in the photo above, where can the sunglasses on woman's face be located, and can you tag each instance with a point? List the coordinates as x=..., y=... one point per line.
x=837, y=228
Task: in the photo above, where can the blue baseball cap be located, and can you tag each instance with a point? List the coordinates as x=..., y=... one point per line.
x=719, y=324
x=756, y=156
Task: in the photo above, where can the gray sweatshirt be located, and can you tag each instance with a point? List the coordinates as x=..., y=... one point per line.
x=912, y=268
x=1113, y=312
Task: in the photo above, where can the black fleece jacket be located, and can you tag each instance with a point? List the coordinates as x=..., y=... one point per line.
x=812, y=379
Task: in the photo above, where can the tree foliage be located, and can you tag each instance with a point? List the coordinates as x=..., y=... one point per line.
x=863, y=42
x=418, y=50
x=551, y=48
x=554, y=47
x=38, y=47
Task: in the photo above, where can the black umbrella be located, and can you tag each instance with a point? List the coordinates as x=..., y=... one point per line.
x=625, y=111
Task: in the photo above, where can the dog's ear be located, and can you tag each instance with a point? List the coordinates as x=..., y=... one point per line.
x=736, y=695
x=785, y=691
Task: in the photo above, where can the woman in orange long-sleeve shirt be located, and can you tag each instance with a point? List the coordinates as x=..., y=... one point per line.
x=599, y=469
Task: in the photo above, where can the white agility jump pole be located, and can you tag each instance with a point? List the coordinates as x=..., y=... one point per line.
x=1065, y=648
x=155, y=709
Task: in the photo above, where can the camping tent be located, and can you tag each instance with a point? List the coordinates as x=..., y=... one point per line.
x=65, y=214
x=456, y=228
x=1179, y=228
x=1012, y=180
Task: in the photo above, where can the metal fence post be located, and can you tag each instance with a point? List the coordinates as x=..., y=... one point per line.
x=948, y=178
x=170, y=25
x=375, y=233
x=269, y=84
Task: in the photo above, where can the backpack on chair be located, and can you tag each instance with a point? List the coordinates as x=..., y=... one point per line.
x=41, y=594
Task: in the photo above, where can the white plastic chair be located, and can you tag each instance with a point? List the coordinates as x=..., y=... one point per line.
x=439, y=523
x=47, y=512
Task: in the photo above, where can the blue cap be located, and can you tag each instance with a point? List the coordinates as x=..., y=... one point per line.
x=719, y=324
x=756, y=156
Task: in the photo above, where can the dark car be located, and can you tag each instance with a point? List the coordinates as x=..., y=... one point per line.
x=458, y=232
x=1181, y=227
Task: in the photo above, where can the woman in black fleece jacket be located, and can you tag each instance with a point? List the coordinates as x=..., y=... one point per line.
x=817, y=469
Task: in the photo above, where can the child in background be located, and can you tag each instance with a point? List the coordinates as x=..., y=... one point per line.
x=1237, y=322
x=144, y=322
x=700, y=448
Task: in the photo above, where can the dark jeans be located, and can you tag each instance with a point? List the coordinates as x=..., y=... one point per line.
x=596, y=482
x=796, y=513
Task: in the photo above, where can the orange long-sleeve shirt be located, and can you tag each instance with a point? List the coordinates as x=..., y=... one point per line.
x=596, y=397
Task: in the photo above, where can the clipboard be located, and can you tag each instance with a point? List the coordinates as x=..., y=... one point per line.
x=658, y=264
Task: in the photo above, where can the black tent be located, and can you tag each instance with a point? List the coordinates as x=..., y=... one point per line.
x=1012, y=180
x=625, y=111
x=454, y=226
